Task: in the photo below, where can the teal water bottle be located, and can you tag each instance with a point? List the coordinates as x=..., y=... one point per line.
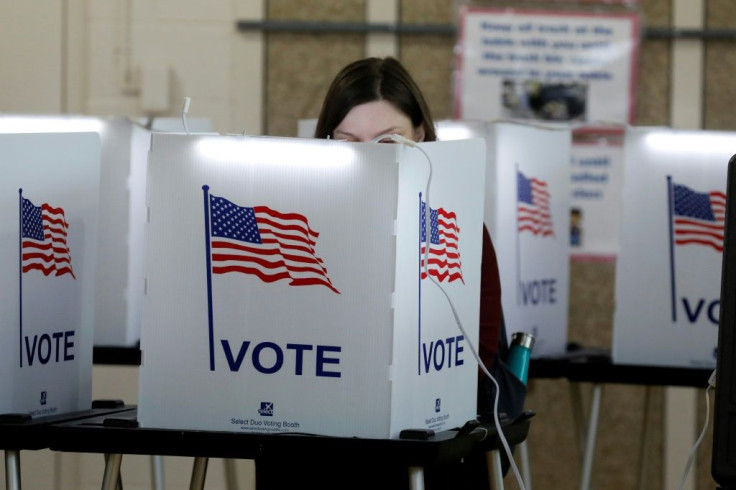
x=520, y=351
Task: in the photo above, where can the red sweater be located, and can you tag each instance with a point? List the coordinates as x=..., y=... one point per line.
x=490, y=302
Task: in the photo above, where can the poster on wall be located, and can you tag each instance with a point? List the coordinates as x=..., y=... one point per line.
x=546, y=65
x=596, y=174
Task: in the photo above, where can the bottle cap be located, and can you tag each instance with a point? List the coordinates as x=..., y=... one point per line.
x=523, y=339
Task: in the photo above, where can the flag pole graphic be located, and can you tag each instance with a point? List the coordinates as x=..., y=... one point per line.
x=671, y=212
x=205, y=189
x=518, y=240
x=20, y=273
x=419, y=316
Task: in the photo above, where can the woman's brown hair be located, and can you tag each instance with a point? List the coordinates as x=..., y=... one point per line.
x=372, y=79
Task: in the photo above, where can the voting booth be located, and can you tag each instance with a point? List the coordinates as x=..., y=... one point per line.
x=120, y=282
x=527, y=206
x=669, y=268
x=122, y=180
x=49, y=219
x=286, y=289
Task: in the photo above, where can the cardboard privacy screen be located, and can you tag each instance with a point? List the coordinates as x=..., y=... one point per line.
x=284, y=289
x=668, y=273
x=124, y=145
x=120, y=282
x=48, y=215
x=527, y=214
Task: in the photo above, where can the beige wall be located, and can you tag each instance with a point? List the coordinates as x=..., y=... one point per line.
x=142, y=57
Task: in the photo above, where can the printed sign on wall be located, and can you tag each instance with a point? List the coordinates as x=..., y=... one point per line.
x=546, y=65
x=669, y=268
x=596, y=176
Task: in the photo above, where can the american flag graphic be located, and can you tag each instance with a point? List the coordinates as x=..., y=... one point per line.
x=266, y=243
x=443, y=259
x=698, y=217
x=44, y=240
x=533, y=198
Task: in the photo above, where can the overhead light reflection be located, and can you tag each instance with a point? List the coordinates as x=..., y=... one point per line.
x=692, y=141
x=453, y=132
x=270, y=150
x=50, y=124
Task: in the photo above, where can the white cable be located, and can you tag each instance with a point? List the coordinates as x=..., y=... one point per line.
x=401, y=139
x=691, y=458
x=184, y=111
x=394, y=137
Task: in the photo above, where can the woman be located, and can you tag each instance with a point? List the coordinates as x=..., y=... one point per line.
x=367, y=99
x=376, y=96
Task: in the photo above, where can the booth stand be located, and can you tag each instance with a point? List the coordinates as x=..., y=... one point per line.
x=19, y=432
x=596, y=366
x=119, y=434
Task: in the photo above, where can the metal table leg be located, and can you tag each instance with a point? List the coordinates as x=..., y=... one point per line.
x=111, y=479
x=199, y=472
x=231, y=474
x=525, y=467
x=595, y=406
x=157, y=472
x=416, y=478
x=496, y=471
x=643, y=446
x=12, y=469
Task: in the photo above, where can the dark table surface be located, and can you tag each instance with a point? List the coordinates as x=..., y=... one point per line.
x=119, y=433
x=597, y=366
x=21, y=432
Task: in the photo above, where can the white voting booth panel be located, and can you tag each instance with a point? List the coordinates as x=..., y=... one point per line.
x=124, y=152
x=120, y=282
x=284, y=291
x=669, y=267
x=48, y=238
x=527, y=214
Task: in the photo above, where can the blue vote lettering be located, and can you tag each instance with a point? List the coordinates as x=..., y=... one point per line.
x=57, y=346
x=539, y=291
x=693, y=311
x=270, y=358
x=441, y=353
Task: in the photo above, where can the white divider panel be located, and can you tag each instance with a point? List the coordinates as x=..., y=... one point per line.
x=284, y=290
x=50, y=189
x=527, y=208
x=669, y=268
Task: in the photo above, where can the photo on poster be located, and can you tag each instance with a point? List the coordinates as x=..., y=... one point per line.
x=545, y=100
x=576, y=227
